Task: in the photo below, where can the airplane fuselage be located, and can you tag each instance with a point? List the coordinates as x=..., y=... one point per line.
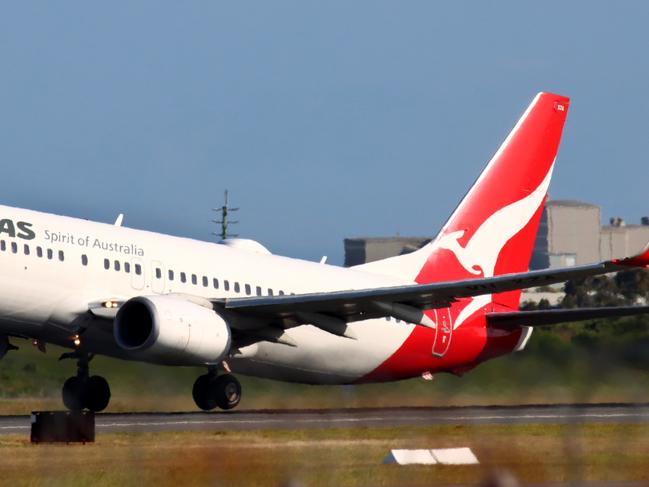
x=52, y=267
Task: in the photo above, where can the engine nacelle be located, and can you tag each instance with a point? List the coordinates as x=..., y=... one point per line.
x=171, y=330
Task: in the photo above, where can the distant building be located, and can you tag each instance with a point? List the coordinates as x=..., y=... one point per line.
x=620, y=240
x=570, y=233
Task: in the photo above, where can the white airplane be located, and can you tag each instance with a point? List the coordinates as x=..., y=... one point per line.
x=105, y=289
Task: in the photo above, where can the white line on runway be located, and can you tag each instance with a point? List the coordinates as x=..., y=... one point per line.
x=327, y=420
x=374, y=418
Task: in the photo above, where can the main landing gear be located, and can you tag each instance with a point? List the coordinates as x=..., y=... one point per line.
x=83, y=391
x=212, y=390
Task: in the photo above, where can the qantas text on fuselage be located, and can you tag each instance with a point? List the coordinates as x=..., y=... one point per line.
x=16, y=229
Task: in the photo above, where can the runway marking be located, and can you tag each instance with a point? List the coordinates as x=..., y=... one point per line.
x=296, y=419
x=374, y=418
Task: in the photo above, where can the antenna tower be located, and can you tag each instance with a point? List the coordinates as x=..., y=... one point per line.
x=225, y=210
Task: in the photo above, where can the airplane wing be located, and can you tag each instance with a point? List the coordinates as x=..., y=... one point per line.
x=331, y=311
x=264, y=318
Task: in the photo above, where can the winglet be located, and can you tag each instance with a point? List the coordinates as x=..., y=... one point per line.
x=640, y=260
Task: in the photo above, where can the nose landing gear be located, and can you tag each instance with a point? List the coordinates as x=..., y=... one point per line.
x=212, y=390
x=83, y=391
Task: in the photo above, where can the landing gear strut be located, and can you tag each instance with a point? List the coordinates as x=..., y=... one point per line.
x=212, y=390
x=83, y=391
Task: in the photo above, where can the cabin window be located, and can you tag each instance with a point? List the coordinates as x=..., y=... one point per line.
x=205, y=281
x=39, y=251
x=84, y=259
x=138, y=269
x=14, y=247
x=127, y=267
x=26, y=249
x=194, y=279
x=50, y=254
x=247, y=288
x=183, y=277
x=3, y=245
x=215, y=283
x=61, y=256
x=106, y=264
x=258, y=291
x=117, y=266
x=171, y=275
x=226, y=285
x=237, y=288
x=158, y=273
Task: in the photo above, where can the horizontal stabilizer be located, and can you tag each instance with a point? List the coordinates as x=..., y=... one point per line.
x=556, y=316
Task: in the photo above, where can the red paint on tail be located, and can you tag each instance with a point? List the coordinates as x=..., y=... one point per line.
x=518, y=168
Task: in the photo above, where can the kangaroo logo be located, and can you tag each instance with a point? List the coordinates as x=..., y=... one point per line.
x=480, y=254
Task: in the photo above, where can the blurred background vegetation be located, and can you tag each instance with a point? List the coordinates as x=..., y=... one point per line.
x=592, y=361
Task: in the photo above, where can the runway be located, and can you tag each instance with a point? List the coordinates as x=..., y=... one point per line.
x=357, y=417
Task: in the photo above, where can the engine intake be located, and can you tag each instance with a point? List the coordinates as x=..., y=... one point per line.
x=171, y=330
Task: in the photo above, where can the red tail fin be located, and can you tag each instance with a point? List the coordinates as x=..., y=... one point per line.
x=493, y=229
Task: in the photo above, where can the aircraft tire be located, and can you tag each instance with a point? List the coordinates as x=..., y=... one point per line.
x=227, y=391
x=203, y=392
x=72, y=393
x=96, y=393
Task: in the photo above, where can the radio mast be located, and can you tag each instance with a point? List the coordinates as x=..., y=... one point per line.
x=225, y=210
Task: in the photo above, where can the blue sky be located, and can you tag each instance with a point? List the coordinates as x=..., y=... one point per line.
x=324, y=119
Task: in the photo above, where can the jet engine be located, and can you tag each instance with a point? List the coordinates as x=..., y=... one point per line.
x=171, y=330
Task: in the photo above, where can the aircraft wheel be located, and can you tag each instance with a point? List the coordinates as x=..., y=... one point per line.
x=73, y=393
x=96, y=393
x=227, y=391
x=203, y=392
